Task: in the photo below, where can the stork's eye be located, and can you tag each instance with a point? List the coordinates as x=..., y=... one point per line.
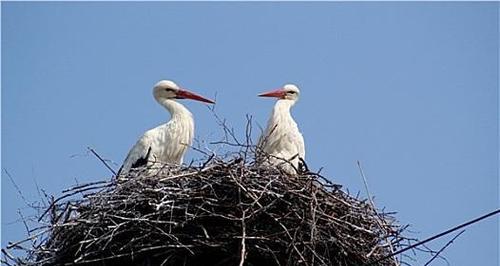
x=169, y=89
x=290, y=92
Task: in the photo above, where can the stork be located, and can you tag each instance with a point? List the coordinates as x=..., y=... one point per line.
x=168, y=142
x=281, y=142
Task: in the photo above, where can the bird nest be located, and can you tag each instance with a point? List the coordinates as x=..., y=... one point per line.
x=225, y=212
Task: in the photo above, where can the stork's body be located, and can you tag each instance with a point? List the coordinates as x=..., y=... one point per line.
x=282, y=143
x=167, y=143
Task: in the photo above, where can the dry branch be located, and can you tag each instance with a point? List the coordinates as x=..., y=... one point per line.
x=225, y=212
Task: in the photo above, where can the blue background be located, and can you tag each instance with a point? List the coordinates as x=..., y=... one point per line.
x=409, y=89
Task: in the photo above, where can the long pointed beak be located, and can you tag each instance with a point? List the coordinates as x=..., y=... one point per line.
x=184, y=94
x=279, y=93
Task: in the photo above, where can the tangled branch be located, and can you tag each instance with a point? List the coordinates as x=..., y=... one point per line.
x=226, y=212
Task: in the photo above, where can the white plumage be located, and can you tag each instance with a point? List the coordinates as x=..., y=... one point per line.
x=282, y=143
x=166, y=143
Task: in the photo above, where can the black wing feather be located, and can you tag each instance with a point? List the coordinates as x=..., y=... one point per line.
x=142, y=161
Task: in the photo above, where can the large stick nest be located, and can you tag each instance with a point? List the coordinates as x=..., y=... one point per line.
x=222, y=213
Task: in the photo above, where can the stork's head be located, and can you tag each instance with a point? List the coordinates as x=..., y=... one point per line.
x=167, y=89
x=288, y=92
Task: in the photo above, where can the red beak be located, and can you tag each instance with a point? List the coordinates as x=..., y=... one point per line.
x=279, y=93
x=184, y=94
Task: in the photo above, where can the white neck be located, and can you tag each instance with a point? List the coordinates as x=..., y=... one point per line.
x=177, y=134
x=282, y=108
x=281, y=119
x=175, y=109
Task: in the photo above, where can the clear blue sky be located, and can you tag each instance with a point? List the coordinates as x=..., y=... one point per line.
x=409, y=89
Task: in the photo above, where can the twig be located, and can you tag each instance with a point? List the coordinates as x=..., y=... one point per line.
x=102, y=160
x=9, y=256
x=375, y=210
x=366, y=184
x=16, y=187
x=444, y=247
x=243, y=252
x=72, y=193
x=437, y=236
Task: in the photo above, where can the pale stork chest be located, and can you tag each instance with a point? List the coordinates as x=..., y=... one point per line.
x=170, y=141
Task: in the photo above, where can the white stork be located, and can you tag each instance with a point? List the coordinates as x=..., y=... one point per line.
x=282, y=141
x=168, y=142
